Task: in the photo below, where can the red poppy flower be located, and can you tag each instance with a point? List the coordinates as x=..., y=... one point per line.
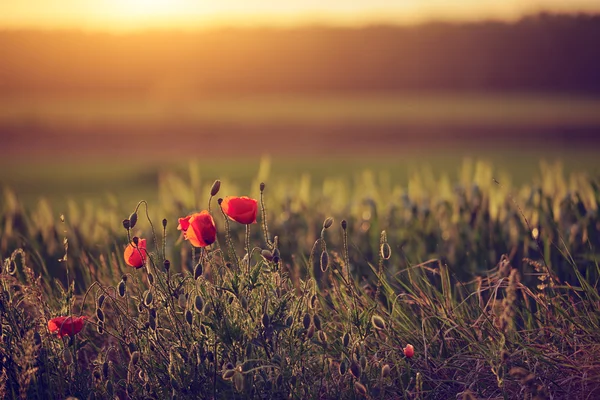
x=240, y=209
x=135, y=256
x=66, y=326
x=409, y=351
x=198, y=228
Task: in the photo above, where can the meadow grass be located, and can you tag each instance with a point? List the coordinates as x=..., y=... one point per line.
x=492, y=283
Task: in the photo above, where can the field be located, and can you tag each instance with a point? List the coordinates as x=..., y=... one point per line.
x=487, y=268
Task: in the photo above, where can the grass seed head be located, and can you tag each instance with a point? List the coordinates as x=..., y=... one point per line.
x=167, y=265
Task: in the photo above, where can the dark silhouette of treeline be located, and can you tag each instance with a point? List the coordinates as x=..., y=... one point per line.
x=554, y=53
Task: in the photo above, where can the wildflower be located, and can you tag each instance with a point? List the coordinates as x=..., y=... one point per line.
x=240, y=209
x=135, y=254
x=198, y=228
x=66, y=326
x=409, y=351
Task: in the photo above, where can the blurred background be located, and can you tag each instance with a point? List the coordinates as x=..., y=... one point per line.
x=100, y=98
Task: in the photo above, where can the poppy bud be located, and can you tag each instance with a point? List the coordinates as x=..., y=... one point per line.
x=313, y=301
x=219, y=200
x=327, y=223
x=355, y=369
x=344, y=224
x=152, y=323
x=244, y=303
x=306, y=320
x=100, y=314
x=343, y=367
x=289, y=321
x=267, y=255
x=100, y=327
x=167, y=265
x=385, y=371
x=262, y=186
x=324, y=261
x=265, y=320
x=346, y=339
x=101, y=300
x=124, y=277
x=105, y=369
x=126, y=224
x=135, y=357
x=215, y=188
x=238, y=381
x=148, y=298
x=199, y=303
x=132, y=220
x=228, y=374
x=317, y=322
x=360, y=388
x=322, y=337
x=164, y=222
x=197, y=271
x=276, y=256
x=189, y=317
x=378, y=322
x=311, y=332
x=363, y=362
x=385, y=251
x=152, y=312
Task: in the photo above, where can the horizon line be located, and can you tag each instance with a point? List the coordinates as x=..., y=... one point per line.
x=298, y=22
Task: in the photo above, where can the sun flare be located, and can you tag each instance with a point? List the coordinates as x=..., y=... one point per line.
x=148, y=9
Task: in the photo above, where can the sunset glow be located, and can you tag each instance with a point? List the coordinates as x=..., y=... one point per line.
x=135, y=14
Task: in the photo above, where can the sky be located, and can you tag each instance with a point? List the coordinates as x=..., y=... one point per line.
x=143, y=14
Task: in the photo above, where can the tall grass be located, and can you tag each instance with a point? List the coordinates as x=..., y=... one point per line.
x=494, y=286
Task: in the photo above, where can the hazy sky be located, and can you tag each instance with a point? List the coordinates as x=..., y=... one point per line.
x=132, y=14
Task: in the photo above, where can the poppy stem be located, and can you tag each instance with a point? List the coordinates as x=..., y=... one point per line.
x=248, y=246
